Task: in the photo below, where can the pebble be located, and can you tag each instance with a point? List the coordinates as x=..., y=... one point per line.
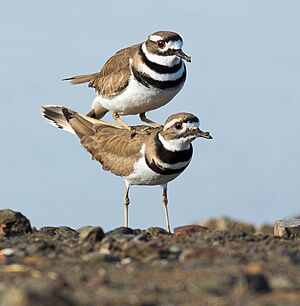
x=61, y=231
x=120, y=230
x=7, y=252
x=189, y=230
x=257, y=282
x=90, y=234
x=60, y=266
x=156, y=231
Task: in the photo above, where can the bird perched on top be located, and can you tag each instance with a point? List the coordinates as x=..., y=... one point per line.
x=154, y=156
x=139, y=78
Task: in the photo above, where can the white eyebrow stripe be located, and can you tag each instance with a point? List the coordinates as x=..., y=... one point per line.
x=188, y=125
x=155, y=38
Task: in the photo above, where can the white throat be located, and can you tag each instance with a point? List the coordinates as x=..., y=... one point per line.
x=169, y=60
x=180, y=144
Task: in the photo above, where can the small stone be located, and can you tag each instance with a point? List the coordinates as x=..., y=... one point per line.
x=175, y=248
x=49, y=230
x=282, y=282
x=288, y=228
x=156, y=231
x=66, y=232
x=35, y=260
x=61, y=231
x=189, y=230
x=91, y=234
x=119, y=238
x=7, y=252
x=13, y=223
x=126, y=261
x=120, y=230
x=257, y=282
x=142, y=237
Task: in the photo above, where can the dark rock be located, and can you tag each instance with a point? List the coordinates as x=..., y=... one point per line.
x=142, y=237
x=49, y=230
x=257, y=282
x=61, y=231
x=189, y=230
x=119, y=238
x=91, y=234
x=66, y=232
x=120, y=230
x=156, y=231
x=13, y=223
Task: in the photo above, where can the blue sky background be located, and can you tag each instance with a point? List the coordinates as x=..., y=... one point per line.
x=243, y=83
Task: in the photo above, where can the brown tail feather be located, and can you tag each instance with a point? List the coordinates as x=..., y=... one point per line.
x=79, y=79
x=80, y=124
x=53, y=114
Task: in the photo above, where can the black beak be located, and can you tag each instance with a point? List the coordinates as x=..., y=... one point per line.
x=200, y=133
x=180, y=53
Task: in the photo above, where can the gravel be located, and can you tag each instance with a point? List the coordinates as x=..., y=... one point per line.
x=196, y=266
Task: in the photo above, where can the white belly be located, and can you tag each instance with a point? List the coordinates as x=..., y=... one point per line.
x=143, y=175
x=137, y=98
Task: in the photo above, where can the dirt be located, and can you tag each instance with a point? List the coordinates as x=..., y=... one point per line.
x=196, y=266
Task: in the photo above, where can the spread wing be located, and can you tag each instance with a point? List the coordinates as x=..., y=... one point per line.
x=114, y=148
x=113, y=77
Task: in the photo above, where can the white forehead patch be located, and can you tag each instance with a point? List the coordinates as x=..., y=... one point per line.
x=192, y=125
x=174, y=44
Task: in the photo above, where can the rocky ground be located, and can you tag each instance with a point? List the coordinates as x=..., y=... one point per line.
x=224, y=263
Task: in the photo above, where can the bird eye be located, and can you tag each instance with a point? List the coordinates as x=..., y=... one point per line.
x=178, y=125
x=161, y=44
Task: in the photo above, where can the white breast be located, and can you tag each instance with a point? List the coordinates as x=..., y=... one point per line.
x=137, y=98
x=143, y=175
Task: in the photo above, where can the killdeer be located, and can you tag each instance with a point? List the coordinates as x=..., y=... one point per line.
x=154, y=156
x=139, y=78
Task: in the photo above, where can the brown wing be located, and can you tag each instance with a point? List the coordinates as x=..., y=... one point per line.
x=113, y=77
x=114, y=148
